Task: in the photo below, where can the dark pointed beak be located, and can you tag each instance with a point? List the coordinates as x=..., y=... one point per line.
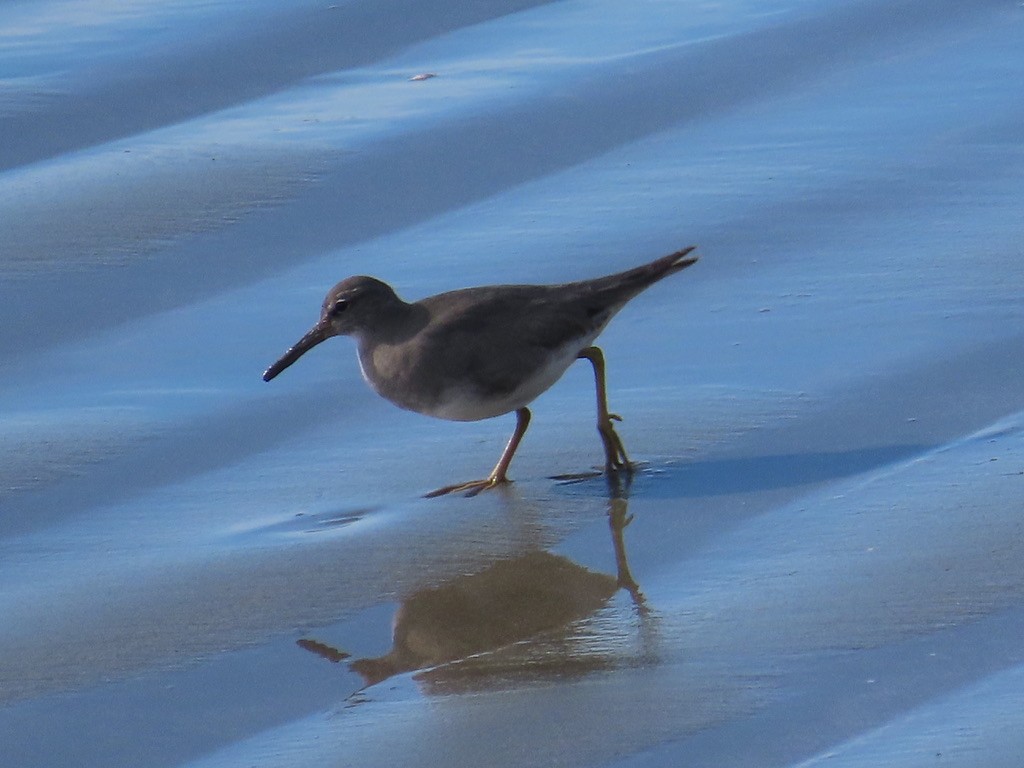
x=319, y=332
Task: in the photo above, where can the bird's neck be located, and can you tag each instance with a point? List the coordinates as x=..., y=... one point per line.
x=399, y=323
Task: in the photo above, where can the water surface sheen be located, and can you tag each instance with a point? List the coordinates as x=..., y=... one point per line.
x=819, y=560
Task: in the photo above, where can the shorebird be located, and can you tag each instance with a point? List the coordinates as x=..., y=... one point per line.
x=477, y=353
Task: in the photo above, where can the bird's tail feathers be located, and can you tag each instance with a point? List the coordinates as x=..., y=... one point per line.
x=679, y=260
x=632, y=281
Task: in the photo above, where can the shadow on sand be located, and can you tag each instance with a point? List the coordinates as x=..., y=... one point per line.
x=746, y=474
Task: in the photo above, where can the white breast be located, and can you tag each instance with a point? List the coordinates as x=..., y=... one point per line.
x=464, y=404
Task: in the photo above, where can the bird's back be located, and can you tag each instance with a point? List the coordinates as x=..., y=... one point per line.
x=489, y=350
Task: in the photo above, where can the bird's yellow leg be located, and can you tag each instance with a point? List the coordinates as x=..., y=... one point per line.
x=498, y=475
x=615, y=458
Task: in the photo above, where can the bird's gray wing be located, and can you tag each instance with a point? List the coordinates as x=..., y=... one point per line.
x=498, y=335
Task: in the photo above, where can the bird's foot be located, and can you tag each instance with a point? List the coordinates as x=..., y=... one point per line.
x=472, y=488
x=616, y=463
x=577, y=477
x=615, y=458
x=615, y=475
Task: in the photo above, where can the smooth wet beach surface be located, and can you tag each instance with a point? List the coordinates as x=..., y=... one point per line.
x=821, y=560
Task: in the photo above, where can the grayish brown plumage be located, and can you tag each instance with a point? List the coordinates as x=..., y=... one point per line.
x=480, y=352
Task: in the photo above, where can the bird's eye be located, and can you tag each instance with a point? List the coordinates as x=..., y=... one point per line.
x=339, y=306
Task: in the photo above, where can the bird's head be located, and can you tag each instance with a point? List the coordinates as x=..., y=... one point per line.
x=353, y=306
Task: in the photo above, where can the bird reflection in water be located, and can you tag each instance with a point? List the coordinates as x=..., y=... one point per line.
x=517, y=619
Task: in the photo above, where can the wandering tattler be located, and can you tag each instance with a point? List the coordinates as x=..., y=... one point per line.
x=480, y=352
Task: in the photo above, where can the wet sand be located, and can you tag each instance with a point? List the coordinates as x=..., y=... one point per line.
x=821, y=559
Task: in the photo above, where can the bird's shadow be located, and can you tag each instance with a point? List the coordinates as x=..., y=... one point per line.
x=683, y=478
